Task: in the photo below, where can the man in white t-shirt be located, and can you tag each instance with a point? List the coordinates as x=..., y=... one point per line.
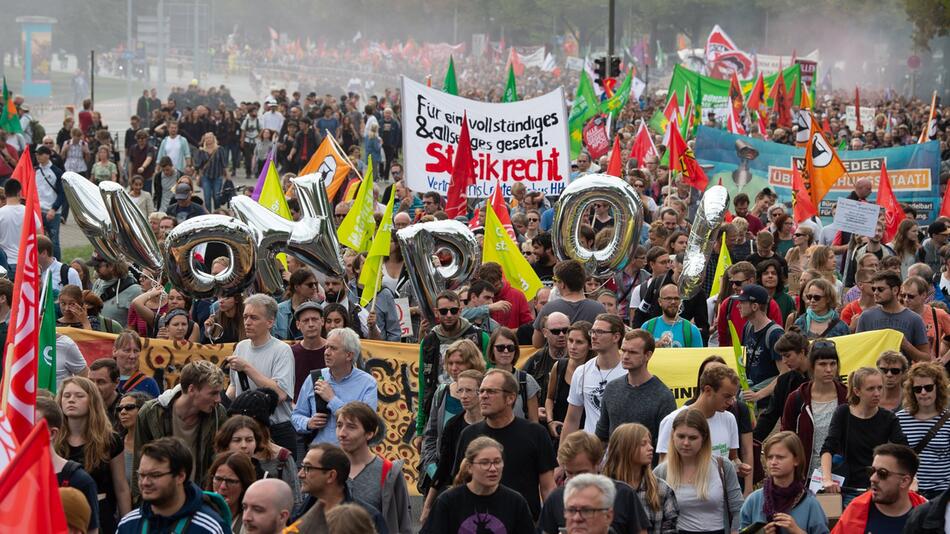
x=718, y=386
x=590, y=380
x=50, y=266
x=175, y=147
x=69, y=360
x=11, y=220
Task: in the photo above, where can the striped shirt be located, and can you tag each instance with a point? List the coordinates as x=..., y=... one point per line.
x=934, y=470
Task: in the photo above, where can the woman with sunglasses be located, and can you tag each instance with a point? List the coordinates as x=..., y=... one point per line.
x=479, y=497
x=127, y=411
x=923, y=420
x=821, y=319
x=503, y=353
x=856, y=428
x=602, y=217
x=302, y=287
x=533, y=224
x=784, y=503
x=578, y=353
x=809, y=408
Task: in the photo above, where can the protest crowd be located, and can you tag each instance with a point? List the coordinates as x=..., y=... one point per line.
x=533, y=411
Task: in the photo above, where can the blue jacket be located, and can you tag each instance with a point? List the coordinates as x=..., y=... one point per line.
x=282, y=322
x=357, y=386
x=807, y=514
x=197, y=515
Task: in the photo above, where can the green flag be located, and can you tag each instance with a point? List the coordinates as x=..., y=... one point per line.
x=47, y=341
x=9, y=120
x=511, y=90
x=450, y=85
x=614, y=104
x=584, y=108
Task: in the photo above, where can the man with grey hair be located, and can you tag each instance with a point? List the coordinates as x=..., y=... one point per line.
x=263, y=361
x=589, y=504
x=326, y=390
x=267, y=506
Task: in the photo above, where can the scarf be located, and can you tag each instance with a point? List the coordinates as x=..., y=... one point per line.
x=810, y=316
x=779, y=500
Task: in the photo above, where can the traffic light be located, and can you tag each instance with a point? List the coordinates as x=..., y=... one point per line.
x=601, y=68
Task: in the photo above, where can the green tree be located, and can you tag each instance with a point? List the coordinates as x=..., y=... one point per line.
x=931, y=18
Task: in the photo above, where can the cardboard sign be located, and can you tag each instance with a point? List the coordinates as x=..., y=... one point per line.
x=405, y=320
x=857, y=217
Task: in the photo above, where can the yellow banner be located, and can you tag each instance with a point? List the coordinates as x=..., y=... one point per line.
x=395, y=366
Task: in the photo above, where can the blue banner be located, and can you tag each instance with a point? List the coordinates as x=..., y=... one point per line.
x=913, y=170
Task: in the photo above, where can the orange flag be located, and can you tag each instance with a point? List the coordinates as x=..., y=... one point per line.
x=802, y=206
x=823, y=167
x=757, y=95
x=893, y=214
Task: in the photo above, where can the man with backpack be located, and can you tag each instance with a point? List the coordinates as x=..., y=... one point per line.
x=759, y=335
x=373, y=479
x=669, y=329
x=61, y=273
x=170, y=501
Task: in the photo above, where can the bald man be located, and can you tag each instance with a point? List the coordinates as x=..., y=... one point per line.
x=401, y=220
x=267, y=506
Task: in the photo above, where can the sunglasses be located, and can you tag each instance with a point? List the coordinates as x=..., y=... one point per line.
x=505, y=348
x=558, y=331
x=312, y=285
x=927, y=387
x=814, y=298
x=878, y=289
x=891, y=370
x=882, y=474
x=798, y=235
x=448, y=311
x=130, y=407
x=737, y=282
x=533, y=219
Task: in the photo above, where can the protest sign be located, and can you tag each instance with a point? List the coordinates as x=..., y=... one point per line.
x=395, y=366
x=856, y=217
x=405, y=319
x=851, y=118
x=523, y=141
x=913, y=170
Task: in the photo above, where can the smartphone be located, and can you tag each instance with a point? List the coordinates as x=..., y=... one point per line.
x=315, y=376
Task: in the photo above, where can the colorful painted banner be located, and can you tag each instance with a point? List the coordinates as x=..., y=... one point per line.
x=523, y=141
x=913, y=170
x=395, y=367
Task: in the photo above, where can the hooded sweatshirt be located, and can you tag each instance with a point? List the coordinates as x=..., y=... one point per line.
x=196, y=517
x=155, y=421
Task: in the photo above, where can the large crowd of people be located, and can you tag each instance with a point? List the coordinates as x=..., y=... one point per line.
x=577, y=435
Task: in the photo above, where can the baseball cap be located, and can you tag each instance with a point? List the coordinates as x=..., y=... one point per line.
x=753, y=293
x=182, y=191
x=309, y=305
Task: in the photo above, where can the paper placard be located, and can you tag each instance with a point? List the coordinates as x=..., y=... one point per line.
x=814, y=485
x=857, y=217
x=405, y=320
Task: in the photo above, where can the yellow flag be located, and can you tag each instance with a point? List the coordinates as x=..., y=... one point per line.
x=272, y=198
x=499, y=248
x=356, y=230
x=725, y=261
x=373, y=267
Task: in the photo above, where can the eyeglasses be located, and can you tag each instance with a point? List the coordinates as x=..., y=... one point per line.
x=448, y=311
x=488, y=464
x=891, y=370
x=504, y=348
x=126, y=408
x=308, y=468
x=882, y=474
x=737, y=282
x=491, y=391
x=905, y=295
x=599, y=332
x=814, y=298
x=558, y=331
x=217, y=481
x=152, y=476
x=586, y=513
x=926, y=387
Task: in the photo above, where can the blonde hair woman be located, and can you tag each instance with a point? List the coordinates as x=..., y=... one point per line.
x=707, y=489
x=211, y=164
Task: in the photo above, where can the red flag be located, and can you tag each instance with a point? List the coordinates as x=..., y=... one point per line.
x=672, y=107
x=780, y=102
x=735, y=93
x=22, y=344
x=474, y=222
x=893, y=214
x=802, y=206
x=29, y=492
x=24, y=172
x=857, y=109
x=463, y=174
x=501, y=210
x=682, y=159
x=643, y=146
x=615, y=166
x=945, y=204
x=757, y=95
x=735, y=125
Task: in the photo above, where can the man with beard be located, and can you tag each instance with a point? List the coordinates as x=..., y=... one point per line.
x=888, y=504
x=555, y=328
x=169, y=499
x=669, y=329
x=890, y=313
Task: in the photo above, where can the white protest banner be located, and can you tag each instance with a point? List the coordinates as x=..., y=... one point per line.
x=856, y=217
x=523, y=141
x=867, y=117
x=405, y=320
x=574, y=63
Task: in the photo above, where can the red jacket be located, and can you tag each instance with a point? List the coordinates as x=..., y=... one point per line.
x=725, y=339
x=855, y=516
x=520, y=311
